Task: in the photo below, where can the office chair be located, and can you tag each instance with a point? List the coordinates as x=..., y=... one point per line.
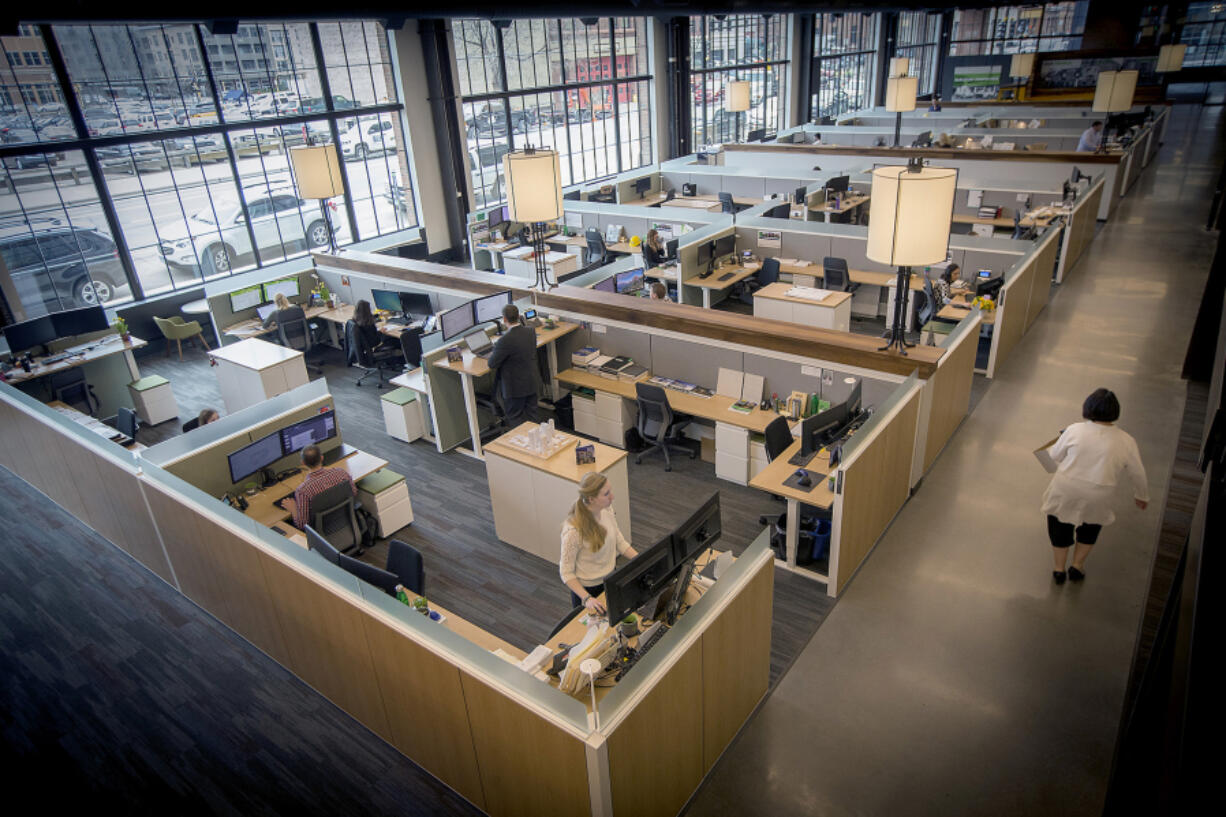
x=176, y=329
x=597, y=252
x=670, y=195
x=72, y=388
x=659, y=427
x=836, y=276
x=359, y=355
x=766, y=276
x=566, y=619
x=410, y=347
x=932, y=296
x=778, y=438
x=727, y=205
x=191, y=425
x=297, y=334
x=334, y=513
x=370, y=574
x=322, y=546
x=1017, y=224
x=125, y=421
x=405, y=561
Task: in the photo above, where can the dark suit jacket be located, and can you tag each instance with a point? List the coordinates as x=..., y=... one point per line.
x=514, y=359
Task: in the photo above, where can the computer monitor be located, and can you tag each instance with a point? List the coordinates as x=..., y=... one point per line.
x=607, y=285
x=311, y=431
x=416, y=304
x=984, y=274
x=989, y=287
x=779, y=211
x=699, y=532
x=386, y=299
x=639, y=581
x=725, y=245
x=670, y=249
x=641, y=186
x=283, y=286
x=490, y=307
x=756, y=135
x=370, y=574
x=28, y=334
x=704, y=254
x=79, y=321
x=798, y=196
x=255, y=457
x=629, y=281
x=574, y=195
x=838, y=184
x=246, y=298
x=457, y=321
x=264, y=310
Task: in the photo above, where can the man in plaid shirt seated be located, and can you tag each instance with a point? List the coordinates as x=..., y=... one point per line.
x=318, y=479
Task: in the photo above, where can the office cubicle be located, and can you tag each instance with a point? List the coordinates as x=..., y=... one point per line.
x=218, y=292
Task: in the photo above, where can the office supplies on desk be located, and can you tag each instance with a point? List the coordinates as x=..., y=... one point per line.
x=582, y=357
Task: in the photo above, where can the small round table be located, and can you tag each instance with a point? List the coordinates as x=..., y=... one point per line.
x=198, y=310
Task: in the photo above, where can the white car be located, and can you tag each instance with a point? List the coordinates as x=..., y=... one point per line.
x=217, y=238
x=370, y=135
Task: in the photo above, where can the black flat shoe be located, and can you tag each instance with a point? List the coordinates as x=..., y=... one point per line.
x=1075, y=574
x=1058, y=575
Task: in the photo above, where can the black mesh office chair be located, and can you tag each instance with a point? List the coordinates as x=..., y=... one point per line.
x=726, y=204
x=410, y=347
x=836, y=276
x=322, y=546
x=359, y=355
x=191, y=425
x=778, y=438
x=766, y=276
x=658, y=425
x=597, y=252
x=370, y=574
x=72, y=388
x=405, y=561
x=334, y=514
x=125, y=421
x=297, y=334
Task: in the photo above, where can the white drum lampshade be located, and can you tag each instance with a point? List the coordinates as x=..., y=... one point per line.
x=317, y=171
x=1170, y=58
x=737, y=95
x=1114, y=91
x=1022, y=65
x=900, y=66
x=534, y=185
x=900, y=94
x=909, y=215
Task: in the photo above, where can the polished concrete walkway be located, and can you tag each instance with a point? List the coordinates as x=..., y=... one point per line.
x=953, y=677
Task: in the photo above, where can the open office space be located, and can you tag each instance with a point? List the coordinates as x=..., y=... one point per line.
x=875, y=306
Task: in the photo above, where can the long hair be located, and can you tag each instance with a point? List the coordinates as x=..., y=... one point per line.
x=590, y=529
x=361, y=314
x=281, y=301
x=653, y=240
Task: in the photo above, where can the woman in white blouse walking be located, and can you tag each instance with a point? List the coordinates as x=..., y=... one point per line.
x=591, y=542
x=1092, y=457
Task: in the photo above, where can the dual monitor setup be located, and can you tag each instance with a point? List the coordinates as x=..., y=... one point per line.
x=710, y=253
x=986, y=285
x=837, y=185
x=405, y=307
x=264, y=452
x=823, y=428
x=38, y=332
x=457, y=321
x=630, y=282
x=261, y=296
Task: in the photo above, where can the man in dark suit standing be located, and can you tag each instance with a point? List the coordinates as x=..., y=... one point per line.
x=514, y=360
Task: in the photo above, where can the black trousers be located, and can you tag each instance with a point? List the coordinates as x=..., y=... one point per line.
x=520, y=410
x=591, y=591
x=1062, y=534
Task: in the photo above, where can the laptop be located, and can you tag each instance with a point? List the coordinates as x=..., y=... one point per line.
x=265, y=310
x=479, y=344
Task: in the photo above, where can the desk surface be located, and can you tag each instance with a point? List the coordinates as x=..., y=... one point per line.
x=793, y=266
x=954, y=312
x=716, y=407
x=87, y=352
x=480, y=366
x=849, y=203
x=779, y=291
x=261, y=508
x=253, y=327
x=1040, y=218
x=562, y=464
x=344, y=313
x=254, y=353
x=713, y=282
x=95, y=425
x=771, y=478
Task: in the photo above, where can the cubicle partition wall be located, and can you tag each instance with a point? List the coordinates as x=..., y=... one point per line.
x=1025, y=292
x=711, y=180
x=448, y=703
x=1079, y=227
x=948, y=392
x=218, y=294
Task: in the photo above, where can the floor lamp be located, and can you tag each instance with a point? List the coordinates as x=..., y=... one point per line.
x=317, y=172
x=737, y=93
x=1170, y=60
x=899, y=97
x=534, y=196
x=1113, y=93
x=910, y=211
x=1021, y=66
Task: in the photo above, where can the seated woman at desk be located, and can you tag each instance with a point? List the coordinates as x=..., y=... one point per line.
x=591, y=541
x=285, y=311
x=381, y=345
x=653, y=250
x=940, y=287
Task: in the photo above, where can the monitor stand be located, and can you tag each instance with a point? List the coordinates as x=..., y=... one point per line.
x=801, y=459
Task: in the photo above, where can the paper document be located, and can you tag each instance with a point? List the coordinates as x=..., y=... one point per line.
x=974, y=198
x=1044, y=457
x=808, y=293
x=729, y=383
x=751, y=391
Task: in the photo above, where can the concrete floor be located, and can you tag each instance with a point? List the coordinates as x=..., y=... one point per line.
x=953, y=677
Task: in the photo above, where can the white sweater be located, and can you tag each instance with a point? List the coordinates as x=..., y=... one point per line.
x=578, y=561
x=1092, y=458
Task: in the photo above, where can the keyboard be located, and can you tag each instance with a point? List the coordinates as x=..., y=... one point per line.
x=642, y=649
x=726, y=276
x=47, y=361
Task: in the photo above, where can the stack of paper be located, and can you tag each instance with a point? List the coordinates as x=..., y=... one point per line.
x=584, y=356
x=808, y=293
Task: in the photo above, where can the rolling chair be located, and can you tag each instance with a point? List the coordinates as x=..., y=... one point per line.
x=597, y=252
x=370, y=574
x=191, y=425
x=778, y=438
x=727, y=205
x=659, y=427
x=405, y=561
x=125, y=421
x=358, y=354
x=943, y=326
x=769, y=274
x=322, y=546
x=835, y=275
x=334, y=514
x=297, y=334
x=72, y=388
x=566, y=619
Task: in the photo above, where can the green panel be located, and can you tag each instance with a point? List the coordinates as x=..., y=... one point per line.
x=148, y=382
x=447, y=393
x=379, y=481
x=401, y=396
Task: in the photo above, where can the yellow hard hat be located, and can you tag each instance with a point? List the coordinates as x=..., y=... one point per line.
x=635, y=241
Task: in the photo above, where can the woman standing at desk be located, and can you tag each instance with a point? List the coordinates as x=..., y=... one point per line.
x=591, y=541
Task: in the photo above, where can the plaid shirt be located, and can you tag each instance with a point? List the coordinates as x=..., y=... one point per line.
x=315, y=484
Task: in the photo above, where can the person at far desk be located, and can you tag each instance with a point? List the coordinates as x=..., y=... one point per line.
x=1091, y=138
x=514, y=363
x=653, y=250
x=591, y=541
x=317, y=480
x=659, y=292
x=284, y=312
x=940, y=287
x=379, y=344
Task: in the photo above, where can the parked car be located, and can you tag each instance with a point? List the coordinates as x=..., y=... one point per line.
x=487, y=123
x=487, y=178
x=55, y=265
x=215, y=238
x=370, y=135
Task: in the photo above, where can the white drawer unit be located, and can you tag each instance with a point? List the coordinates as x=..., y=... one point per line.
x=402, y=414
x=153, y=399
x=757, y=455
x=585, y=414
x=614, y=416
x=385, y=494
x=732, y=453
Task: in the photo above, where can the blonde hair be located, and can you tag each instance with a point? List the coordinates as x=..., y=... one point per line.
x=281, y=301
x=584, y=521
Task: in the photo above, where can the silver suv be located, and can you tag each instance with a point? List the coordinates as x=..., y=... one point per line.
x=55, y=265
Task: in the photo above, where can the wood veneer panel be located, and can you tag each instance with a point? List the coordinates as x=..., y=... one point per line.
x=1040, y=286
x=951, y=394
x=736, y=664
x=666, y=723
x=528, y=766
x=124, y=517
x=875, y=486
x=425, y=708
x=1011, y=315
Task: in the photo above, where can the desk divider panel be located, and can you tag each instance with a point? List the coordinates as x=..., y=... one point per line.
x=951, y=387
x=223, y=315
x=690, y=361
x=1044, y=263
x=1080, y=229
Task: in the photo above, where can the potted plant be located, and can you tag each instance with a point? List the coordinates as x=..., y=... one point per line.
x=630, y=626
x=321, y=289
x=121, y=328
x=421, y=605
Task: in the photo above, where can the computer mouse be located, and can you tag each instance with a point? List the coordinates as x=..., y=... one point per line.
x=804, y=481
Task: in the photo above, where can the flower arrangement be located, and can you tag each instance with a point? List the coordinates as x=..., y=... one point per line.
x=121, y=328
x=985, y=303
x=321, y=290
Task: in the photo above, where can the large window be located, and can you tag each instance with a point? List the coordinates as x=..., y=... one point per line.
x=197, y=174
x=1018, y=29
x=919, y=36
x=1205, y=34
x=737, y=47
x=580, y=89
x=845, y=56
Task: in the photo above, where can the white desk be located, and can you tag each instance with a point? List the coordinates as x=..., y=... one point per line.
x=519, y=263
x=532, y=496
x=253, y=370
x=832, y=312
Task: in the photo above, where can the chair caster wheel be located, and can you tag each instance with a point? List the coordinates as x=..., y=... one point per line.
x=638, y=460
x=692, y=455
x=668, y=468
